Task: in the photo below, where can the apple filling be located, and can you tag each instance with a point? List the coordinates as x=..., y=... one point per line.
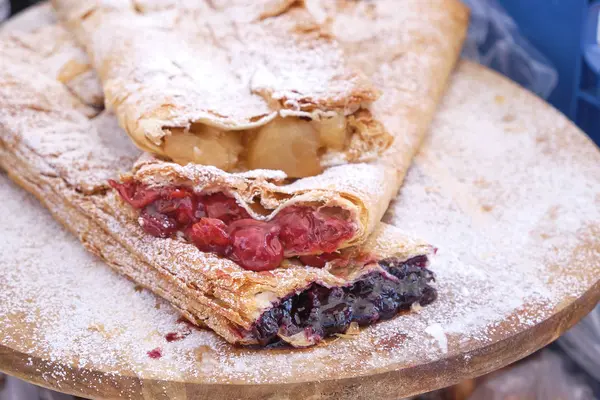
x=215, y=222
x=304, y=318
x=292, y=145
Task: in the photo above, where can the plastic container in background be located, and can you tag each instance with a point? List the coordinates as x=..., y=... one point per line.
x=591, y=38
x=586, y=111
x=4, y=9
x=556, y=28
x=494, y=40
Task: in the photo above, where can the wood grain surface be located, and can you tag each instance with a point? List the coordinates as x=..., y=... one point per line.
x=495, y=156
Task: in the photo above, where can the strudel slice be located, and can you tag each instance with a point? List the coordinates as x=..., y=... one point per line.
x=235, y=84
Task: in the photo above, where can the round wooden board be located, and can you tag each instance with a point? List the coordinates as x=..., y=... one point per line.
x=505, y=186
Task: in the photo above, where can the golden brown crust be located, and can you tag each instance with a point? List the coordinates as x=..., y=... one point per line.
x=227, y=300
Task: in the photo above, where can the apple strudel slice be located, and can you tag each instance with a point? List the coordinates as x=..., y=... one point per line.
x=245, y=85
x=233, y=77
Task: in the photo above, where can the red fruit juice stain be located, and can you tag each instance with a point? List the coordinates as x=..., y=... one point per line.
x=155, y=354
x=175, y=336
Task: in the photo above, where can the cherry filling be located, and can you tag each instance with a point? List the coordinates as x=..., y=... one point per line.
x=256, y=244
x=319, y=260
x=210, y=234
x=217, y=223
x=322, y=312
x=303, y=229
x=224, y=208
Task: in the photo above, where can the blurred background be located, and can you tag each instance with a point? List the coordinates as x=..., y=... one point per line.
x=551, y=47
x=566, y=33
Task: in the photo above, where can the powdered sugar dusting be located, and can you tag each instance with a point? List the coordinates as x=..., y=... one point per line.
x=53, y=51
x=197, y=62
x=515, y=221
x=508, y=191
x=437, y=332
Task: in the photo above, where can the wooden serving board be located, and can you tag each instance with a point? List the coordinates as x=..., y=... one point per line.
x=505, y=186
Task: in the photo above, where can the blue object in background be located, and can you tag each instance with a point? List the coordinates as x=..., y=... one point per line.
x=556, y=28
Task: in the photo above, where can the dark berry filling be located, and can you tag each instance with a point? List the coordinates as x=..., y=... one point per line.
x=320, y=312
x=217, y=223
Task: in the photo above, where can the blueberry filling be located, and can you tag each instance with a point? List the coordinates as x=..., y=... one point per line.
x=322, y=312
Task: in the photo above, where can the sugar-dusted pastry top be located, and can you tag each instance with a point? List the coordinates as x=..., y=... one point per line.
x=54, y=52
x=405, y=59
x=238, y=85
